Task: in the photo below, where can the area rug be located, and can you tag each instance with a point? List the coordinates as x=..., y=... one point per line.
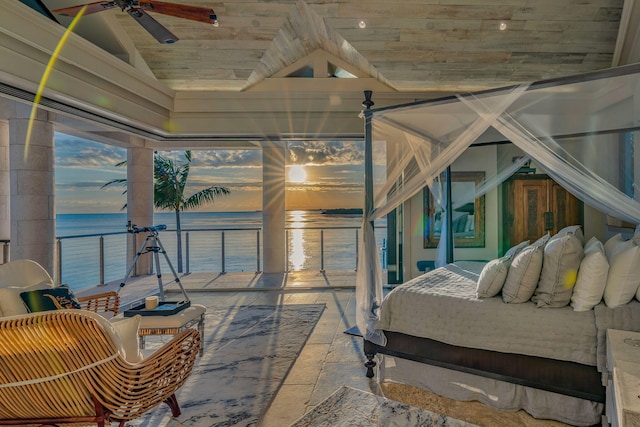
x=248, y=351
x=349, y=407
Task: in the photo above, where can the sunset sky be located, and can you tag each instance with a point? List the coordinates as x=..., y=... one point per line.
x=320, y=175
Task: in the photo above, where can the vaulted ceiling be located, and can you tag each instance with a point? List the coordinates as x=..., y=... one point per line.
x=291, y=68
x=416, y=45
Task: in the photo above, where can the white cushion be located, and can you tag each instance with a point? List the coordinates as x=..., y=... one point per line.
x=592, y=279
x=562, y=257
x=575, y=230
x=611, y=243
x=127, y=330
x=11, y=304
x=623, y=279
x=514, y=250
x=492, y=277
x=23, y=273
x=523, y=275
x=593, y=244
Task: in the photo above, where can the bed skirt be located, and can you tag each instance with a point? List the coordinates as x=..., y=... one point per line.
x=501, y=395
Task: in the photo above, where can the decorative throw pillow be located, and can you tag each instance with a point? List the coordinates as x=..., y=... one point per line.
x=127, y=330
x=575, y=230
x=50, y=299
x=611, y=243
x=593, y=244
x=514, y=250
x=592, y=279
x=523, y=274
x=562, y=257
x=11, y=304
x=623, y=279
x=492, y=277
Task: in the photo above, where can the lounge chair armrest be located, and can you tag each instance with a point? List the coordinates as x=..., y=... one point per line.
x=101, y=303
x=156, y=379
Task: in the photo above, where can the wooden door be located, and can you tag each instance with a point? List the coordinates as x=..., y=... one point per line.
x=530, y=197
x=565, y=207
x=535, y=204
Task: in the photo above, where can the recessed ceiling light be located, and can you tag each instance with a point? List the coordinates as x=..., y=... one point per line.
x=362, y=24
x=503, y=26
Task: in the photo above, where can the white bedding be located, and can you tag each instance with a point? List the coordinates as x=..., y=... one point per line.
x=442, y=305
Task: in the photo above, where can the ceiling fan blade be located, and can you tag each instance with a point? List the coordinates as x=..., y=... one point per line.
x=98, y=6
x=195, y=13
x=154, y=28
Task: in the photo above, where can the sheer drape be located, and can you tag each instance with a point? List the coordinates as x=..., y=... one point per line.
x=552, y=122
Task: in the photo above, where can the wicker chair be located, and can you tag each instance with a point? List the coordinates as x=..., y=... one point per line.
x=25, y=273
x=64, y=367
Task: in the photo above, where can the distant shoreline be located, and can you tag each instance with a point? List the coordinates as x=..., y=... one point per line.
x=342, y=211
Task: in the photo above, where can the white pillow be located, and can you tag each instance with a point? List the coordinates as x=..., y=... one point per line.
x=523, y=274
x=593, y=244
x=10, y=302
x=611, y=243
x=492, y=277
x=592, y=279
x=575, y=230
x=562, y=257
x=514, y=250
x=623, y=279
x=127, y=330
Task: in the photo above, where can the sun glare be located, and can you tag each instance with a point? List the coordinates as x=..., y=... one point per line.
x=297, y=173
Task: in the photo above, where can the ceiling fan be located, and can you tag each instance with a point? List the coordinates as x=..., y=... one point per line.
x=137, y=9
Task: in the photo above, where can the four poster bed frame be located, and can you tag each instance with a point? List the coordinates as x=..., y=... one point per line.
x=558, y=376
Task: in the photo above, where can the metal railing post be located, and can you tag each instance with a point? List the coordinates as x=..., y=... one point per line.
x=222, y=252
x=357, y=248
x=5, y=252
x=59, y=272
x=322, y=251
x=286, y=250
x=186, y=241
x=258, y=251
x=101, y=244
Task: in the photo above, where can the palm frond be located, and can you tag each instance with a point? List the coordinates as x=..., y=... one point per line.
x=208, y=195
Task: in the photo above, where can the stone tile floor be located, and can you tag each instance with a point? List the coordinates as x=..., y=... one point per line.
x=330, y=358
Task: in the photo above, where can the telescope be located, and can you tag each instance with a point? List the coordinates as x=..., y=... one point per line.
x=133, y=228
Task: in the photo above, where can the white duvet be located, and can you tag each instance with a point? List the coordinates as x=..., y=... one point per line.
x=442, y=305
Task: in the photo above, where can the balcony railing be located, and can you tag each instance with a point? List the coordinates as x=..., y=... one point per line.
x=103, y=255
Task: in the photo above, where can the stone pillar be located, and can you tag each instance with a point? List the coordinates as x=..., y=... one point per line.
x=139, y=204
x=32, y=187
x=273, y=206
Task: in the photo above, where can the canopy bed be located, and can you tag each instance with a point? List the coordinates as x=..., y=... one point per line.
x=541, y=355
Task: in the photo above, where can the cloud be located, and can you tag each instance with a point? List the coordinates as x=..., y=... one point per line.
x=220, y=158
x=324, y=153
x=74, y=152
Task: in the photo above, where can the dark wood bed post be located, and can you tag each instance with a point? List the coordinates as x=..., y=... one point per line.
x=370, y=349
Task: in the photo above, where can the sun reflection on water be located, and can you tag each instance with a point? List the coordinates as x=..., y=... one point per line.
x=297, y=254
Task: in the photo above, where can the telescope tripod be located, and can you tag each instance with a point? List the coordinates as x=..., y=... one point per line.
x=156, y=248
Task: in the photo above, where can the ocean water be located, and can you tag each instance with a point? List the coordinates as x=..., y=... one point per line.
x=80, y=236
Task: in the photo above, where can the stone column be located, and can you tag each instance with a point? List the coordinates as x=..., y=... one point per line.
x=273, y=206
x=139, y=204
x=32, y=187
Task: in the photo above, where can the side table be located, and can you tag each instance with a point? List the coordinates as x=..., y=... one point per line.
x=623, y=388
x=174, y=324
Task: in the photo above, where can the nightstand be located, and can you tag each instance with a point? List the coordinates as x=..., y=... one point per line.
x=623, y=388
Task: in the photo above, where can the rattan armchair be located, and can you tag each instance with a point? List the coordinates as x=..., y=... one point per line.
x=64, y=367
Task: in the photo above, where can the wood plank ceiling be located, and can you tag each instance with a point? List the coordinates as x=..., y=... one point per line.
x=414, y=45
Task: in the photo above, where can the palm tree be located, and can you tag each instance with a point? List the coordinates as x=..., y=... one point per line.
x=170, y=179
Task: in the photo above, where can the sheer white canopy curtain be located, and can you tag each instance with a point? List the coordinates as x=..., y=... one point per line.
x=579, y=130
